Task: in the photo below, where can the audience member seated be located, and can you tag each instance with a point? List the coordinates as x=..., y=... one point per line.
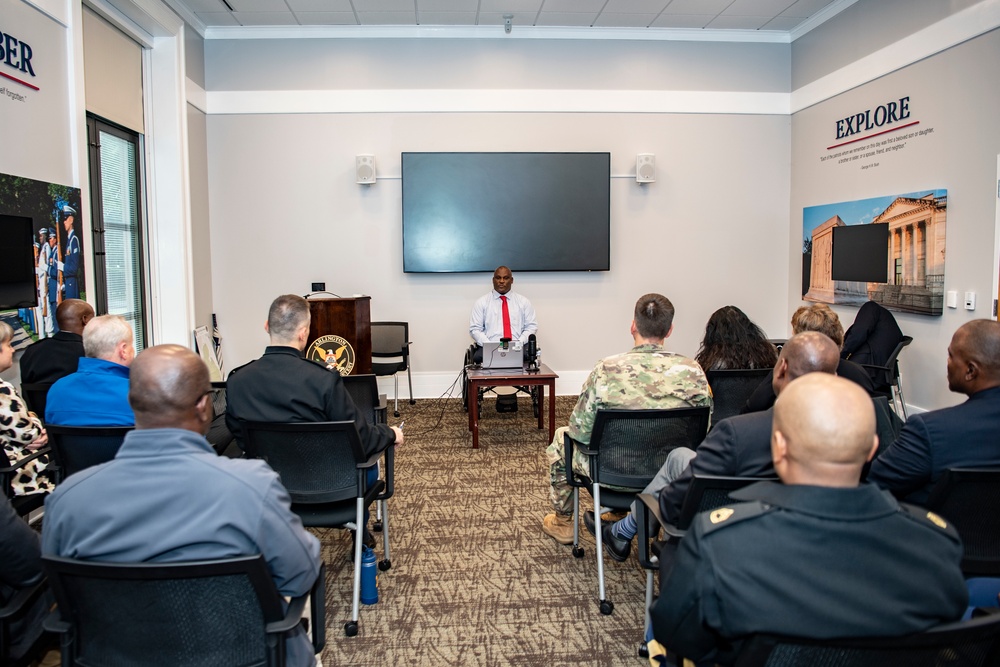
x=50, y=359
x=97, y=393
x=167, y=497
x=20, y=567
x=647, y=377
x=737, y=447
x=501, y=314
x=963, y=436
x=873, y=336
x=817, y=317
x=283, y=386
x=732, y=340
x=20, y=430
x=818, y=556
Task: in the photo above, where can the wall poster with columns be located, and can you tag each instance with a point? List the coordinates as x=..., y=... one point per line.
x=914, y=254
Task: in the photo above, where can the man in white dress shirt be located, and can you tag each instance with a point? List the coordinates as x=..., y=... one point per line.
x=501, y=314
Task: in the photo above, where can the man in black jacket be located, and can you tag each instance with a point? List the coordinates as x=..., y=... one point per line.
x=818, y=555
x=53, y=358
x=283, y=386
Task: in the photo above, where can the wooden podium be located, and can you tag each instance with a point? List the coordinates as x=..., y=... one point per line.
x=351, y=320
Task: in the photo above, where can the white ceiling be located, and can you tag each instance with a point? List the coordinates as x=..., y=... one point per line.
x=775, y=17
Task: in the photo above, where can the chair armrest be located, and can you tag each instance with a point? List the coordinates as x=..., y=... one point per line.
x=647, y=506
x=22, y=599
x=382, y=409
x=389, y=476
x=885, y=373
x=317, y=609
x=571, y=478
x=293, y=616
x=20, y=463
x=651, y=504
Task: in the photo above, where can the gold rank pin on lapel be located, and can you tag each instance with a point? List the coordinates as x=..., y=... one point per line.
x=720, y=515
x=937, y=520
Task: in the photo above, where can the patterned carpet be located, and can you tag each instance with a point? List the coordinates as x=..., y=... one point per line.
x=473, y=578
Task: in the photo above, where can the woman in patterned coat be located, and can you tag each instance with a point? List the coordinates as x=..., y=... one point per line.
x=21, y=432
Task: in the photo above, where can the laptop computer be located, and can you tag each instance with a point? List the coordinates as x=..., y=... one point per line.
x=497, y=356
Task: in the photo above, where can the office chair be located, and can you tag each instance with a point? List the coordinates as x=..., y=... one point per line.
x=364, y=392
x=731, y=388
x=21, y=603
x=35, y=395
x=202, y=613
x=626, y=450
x=324, y=468
x=391, y=355
x=888, y=376
x=219, y=435
x=75, y=448
x=26, y=504
x=970, y=500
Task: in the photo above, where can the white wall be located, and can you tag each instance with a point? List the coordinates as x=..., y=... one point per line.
x=286, y=211
x=954, y=93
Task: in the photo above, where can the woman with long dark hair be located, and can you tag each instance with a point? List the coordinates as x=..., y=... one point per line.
x=732, y=340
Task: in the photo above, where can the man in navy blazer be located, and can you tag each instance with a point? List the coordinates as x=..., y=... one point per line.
x=963, y=436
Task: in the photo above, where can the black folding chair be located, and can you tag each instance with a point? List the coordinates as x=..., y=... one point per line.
x=970, y=499
x=75, y=448
x=888, y=376
x=731, y=388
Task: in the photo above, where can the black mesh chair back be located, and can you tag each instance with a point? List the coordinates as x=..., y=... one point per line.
x=317, y=461
x=633, y=444
x=731, y=389
x=709, y=492
x=35, y=394
x=198, y=614
x=391, y=354
x=219, y=398
x=364, y=392
x=973, y=643
x=75, y=448
x=970, y=500
x=219, y=435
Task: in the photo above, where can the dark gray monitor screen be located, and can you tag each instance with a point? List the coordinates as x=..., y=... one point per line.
x=17, y=263
x=466, y=212
x=861, y=253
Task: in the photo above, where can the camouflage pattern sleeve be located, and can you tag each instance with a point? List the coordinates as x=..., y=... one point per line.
x=581, y=421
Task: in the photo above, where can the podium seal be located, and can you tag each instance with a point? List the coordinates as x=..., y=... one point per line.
x=332, y=352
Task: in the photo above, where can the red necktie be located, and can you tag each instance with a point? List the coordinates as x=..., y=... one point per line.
x=506, y=318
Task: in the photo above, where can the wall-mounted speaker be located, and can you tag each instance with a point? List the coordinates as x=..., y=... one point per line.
x=364, y=167
x=645, y=168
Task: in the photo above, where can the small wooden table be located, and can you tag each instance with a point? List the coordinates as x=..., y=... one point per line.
x=511, y=377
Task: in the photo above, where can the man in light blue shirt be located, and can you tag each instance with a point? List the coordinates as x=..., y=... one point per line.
x=487, y=323
x=97, y=393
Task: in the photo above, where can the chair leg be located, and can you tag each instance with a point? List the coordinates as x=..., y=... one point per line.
x=386, y=562
x=409, y=379
x=395, y=394
x=577, y=549
x=377, y=524
x=899, y=395
x=606, y=605
x=351, y=627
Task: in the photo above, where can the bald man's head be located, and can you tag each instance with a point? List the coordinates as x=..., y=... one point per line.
x=168, y=388
x=823, y=432
x=806, y=352
x=73, y=314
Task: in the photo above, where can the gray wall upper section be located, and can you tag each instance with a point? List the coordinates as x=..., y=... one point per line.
x=194, y=56
x=862, y=29
x=354, y=64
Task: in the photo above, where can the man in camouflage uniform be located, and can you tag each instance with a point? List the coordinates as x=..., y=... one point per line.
x=647, y=377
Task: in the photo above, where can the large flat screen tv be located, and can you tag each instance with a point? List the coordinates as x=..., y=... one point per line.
x=17, y=263
x=860, y=253
x=466, y=212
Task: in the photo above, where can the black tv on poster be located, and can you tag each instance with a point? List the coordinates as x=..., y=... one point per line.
x=17, y=263
x=468, y=212
x=860, y=253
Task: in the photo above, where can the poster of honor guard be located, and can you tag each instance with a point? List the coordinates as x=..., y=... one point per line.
x=57, y=251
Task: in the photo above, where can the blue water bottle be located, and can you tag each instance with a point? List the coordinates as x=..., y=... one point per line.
x=369, y=577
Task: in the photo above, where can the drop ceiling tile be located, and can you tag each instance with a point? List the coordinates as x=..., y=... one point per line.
x=206, y=6
x=388, y=18
x=606, y=20
x=320, y=6
x=738, y=22
x=573, y=6
x=697, y=7
x=266, y=18
x=574, y=20
x=384, y=5
x=634, y=6
x=756, y=7
x=806, y=8
x=258, y=5
x=783, y=23
x=682, y=20
x=495, y=18
x=447, y=6
x=326, y=18
x=509, y=6
x=446, y=18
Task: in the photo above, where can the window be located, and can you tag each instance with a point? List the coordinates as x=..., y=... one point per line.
x=115, y=182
